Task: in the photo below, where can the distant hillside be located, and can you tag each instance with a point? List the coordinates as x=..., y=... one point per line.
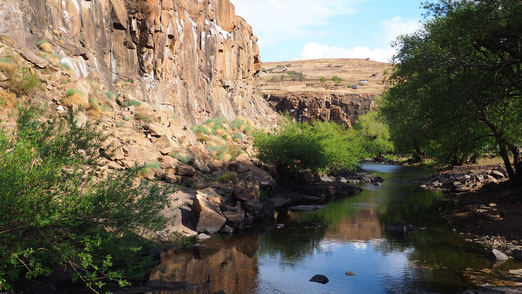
x=337, y=90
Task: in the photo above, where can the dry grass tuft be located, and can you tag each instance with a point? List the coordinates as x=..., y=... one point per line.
x=7, y=99
x=46, y=47
x=76, y=99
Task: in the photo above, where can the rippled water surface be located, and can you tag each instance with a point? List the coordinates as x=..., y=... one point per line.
x=345, y=235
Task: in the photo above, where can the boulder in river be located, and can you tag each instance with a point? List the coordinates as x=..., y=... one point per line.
x=349, y=273
x=206, y=212
x=319, y=279
x=399, y=229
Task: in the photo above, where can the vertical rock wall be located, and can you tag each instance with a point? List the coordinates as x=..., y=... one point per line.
x=195, y=57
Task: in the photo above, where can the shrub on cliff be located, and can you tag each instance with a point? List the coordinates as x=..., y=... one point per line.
x=55, y=215
x=299, y=147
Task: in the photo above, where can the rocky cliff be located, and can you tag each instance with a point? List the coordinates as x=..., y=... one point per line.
x=196, y=58
x=308, y=106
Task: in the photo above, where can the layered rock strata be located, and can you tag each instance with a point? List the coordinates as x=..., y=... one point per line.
x=196, y=58
x=310, y=106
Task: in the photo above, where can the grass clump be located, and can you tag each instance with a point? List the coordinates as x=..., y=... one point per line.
x=65, y=66
x=75, y=97
x=131, y=102
x=55, y=214
x=227, y=178
x=110, y=95
x=71, y=92
x=45, y=46
x=153, y=165
x=21, y=81
x=95, y=105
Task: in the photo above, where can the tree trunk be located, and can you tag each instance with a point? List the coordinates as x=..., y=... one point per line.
x=505, y=156
x=502, y=144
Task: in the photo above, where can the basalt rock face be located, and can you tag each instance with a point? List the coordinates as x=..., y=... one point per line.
x=310, y=106
x=195, y=57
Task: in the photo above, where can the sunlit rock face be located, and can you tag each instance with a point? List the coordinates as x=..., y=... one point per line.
x=195, y=57
x=341, y=108
x=230, y=266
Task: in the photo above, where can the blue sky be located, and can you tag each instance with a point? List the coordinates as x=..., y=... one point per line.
x=310, y=29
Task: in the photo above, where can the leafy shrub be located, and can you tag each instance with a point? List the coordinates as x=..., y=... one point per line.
x=322, y=79
x=302, y=147
x=55, y=215
x=131, y=102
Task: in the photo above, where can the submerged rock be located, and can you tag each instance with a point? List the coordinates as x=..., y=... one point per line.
x=322, y=279
x=399, y=229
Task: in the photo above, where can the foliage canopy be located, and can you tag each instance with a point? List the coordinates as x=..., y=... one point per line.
x=457, y=84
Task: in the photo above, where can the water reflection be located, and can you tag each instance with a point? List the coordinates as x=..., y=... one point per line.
x=227, y=265
x=345, y=235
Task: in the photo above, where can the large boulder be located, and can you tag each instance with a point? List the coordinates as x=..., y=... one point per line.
x=185, y=170
x=206, y=213
x=247, y=191
x=234, y=214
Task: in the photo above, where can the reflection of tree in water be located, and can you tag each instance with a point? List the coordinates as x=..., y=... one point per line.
x=292, y=243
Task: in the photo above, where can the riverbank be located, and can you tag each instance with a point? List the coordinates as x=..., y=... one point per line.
x=482, y=202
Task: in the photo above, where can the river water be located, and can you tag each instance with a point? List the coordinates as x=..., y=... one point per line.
x=346, y=235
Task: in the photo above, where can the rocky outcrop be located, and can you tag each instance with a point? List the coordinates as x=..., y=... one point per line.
x=460, y=181
x=194, y=58
x=310, y=106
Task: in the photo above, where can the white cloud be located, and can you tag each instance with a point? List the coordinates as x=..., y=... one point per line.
x=391, y=30
x=278, y=20
x=318, y=51
x=396, y=26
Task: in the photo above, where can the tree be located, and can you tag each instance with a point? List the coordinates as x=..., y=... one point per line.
x=374, y=135
x=456, y=83
x=56, y=214
x=299, y=147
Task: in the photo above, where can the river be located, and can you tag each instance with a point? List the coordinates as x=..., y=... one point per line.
x=346, y=235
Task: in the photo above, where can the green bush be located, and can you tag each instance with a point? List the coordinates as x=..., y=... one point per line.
x=55, y=215
x=299, y=147
x=322, y=79
x=337, y=79
x=373, y=135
